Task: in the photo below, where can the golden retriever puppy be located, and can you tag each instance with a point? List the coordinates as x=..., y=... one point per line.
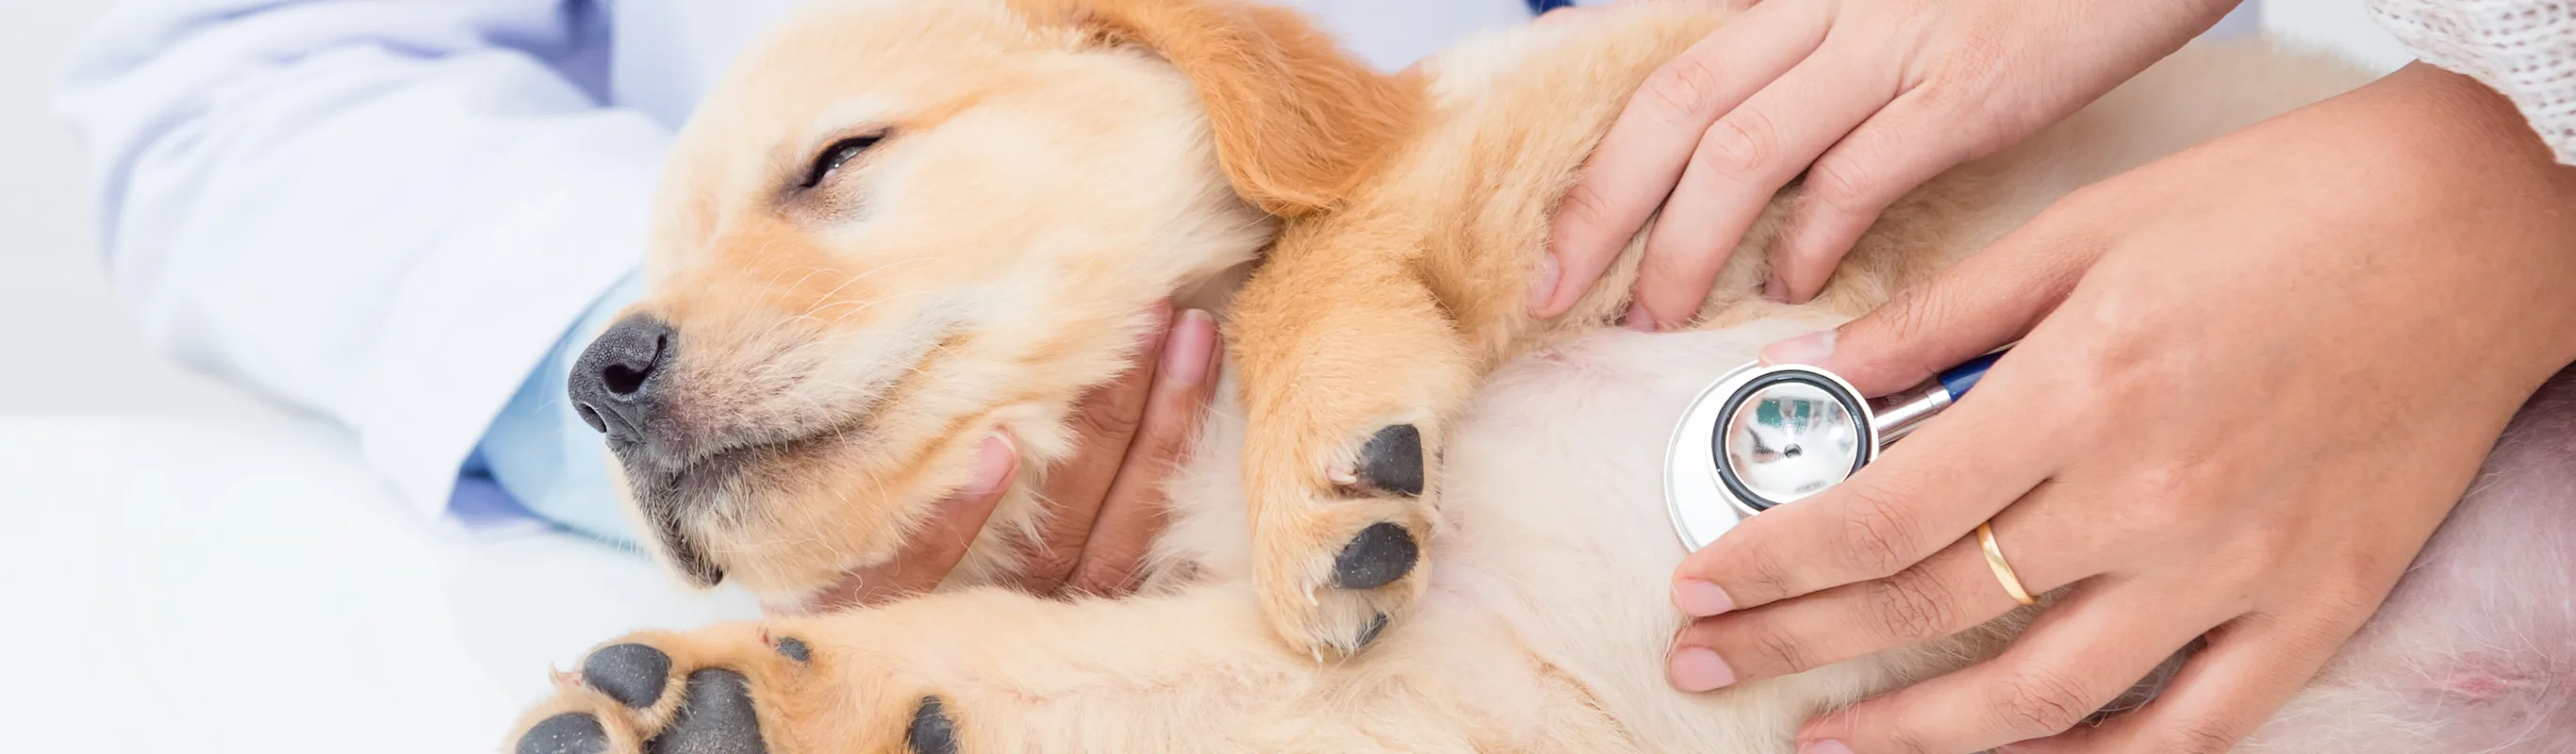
x=903, y=224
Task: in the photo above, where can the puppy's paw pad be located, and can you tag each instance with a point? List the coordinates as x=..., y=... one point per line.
x=1381, y=554
x=932, y=731
x=1377, y=625
x=567, y=733
x=660, y=693
x=1353, y=597
x=1340, y=560
x=716, y=717
x=794, y=649
x=632, y=674
x=1390, y=462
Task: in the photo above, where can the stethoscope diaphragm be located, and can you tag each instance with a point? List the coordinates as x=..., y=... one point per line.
x=1761, y=436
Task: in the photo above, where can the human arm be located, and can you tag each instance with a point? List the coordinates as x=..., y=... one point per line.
x=380, y=212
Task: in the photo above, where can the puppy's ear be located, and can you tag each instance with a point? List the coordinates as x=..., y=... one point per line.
x=1298, y=121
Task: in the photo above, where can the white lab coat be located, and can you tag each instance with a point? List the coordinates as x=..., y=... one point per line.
x=386, y=211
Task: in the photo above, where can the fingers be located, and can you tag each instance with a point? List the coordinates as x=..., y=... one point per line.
x=1132, y=512
x=2078, y=656
x=1647, y=148
x=1139, y=422
x=1896, y=150
x=1950, y=592
x=1104, y=424
x=1986, y=301
x=1918, y=498
x=2251, y=667
x=928, y=555
x=1741, y=162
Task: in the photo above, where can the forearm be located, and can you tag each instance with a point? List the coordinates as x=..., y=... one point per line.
x=380, y=212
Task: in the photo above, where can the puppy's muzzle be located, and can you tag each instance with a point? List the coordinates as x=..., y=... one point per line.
x=621, y=387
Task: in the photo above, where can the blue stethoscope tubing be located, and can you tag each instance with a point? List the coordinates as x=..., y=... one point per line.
x=1957, y=380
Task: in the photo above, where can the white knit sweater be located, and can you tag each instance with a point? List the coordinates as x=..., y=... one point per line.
x=2523, y=48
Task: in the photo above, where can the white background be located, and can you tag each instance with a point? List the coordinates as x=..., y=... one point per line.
x=186, y=568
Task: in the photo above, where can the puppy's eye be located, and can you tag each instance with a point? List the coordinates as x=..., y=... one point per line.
x=838, y=154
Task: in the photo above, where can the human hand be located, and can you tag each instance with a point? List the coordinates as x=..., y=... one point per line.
x=2256, y=376
x=1877, y=97
x=1108, y=499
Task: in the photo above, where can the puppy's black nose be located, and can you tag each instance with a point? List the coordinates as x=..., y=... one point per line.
x=613, y=384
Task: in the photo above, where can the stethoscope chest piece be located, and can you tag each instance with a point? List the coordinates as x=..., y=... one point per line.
x=1764, y=436
x=1759, y=437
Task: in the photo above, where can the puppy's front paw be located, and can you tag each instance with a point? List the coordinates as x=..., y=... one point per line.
x=729, y=690
x=1341, y=555
x=662, y=693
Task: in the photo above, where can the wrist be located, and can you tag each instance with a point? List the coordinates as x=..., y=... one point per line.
x=2465, y=200
x=2455, y=115
x=2477, y=161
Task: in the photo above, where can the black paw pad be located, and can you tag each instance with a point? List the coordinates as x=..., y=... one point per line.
x=1377, y=557
x=932, y=732
x=794, y=649
x=716, y=717
x=1377, y=625
x=567, y=733
x=1392, y=461
x=632, y=674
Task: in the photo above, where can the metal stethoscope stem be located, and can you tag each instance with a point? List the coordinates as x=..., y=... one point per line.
x=1899, y=414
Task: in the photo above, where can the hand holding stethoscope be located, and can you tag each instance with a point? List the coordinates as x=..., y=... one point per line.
x=2219, y=427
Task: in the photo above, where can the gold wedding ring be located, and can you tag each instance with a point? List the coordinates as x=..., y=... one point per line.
x=2003, y=571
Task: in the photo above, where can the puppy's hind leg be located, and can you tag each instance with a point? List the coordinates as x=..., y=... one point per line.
x=992, y=671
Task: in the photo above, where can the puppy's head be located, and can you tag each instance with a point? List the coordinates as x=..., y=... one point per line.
x=901, y=224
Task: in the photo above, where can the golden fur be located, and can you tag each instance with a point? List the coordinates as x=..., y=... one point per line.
x=1050, y=170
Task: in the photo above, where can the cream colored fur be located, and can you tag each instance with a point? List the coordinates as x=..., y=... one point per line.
x=1047, y=178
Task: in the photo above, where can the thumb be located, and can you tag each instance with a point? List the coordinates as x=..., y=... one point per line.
x=1991, y=299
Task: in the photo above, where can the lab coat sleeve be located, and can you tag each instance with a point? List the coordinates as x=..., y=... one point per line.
x=383, y=211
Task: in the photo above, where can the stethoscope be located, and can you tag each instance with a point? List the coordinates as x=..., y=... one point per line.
x=1764, y=436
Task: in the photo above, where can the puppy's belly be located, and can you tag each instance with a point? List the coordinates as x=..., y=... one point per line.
x=1554, y=547
x=2475, y=651
x=1556, y=528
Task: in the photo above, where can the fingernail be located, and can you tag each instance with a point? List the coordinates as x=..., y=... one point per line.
x=1543, y=287
x=1826, y=746
x=1696, y=669
x=1185, y=352
x=992, y=465
x=1776, y=289
x=1638, y=319
x=1701, y=599
x=1811, y=348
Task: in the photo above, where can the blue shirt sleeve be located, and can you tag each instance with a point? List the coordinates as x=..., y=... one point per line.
x=539, y=451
